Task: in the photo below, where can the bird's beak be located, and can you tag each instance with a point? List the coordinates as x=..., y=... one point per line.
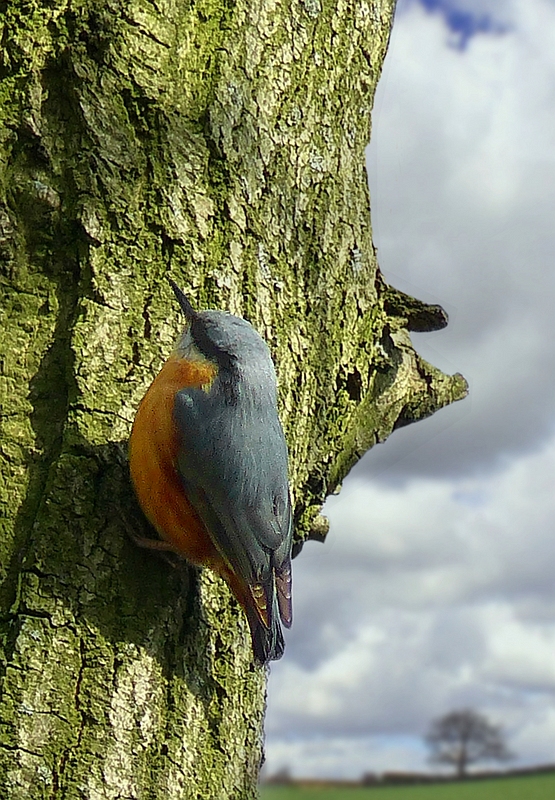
x=186, y=307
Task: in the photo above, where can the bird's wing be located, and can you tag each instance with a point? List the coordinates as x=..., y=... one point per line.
x=233, y=464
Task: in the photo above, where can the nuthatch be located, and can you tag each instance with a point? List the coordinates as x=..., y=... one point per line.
x=208, y=461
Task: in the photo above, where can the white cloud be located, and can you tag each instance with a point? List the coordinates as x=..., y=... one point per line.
x=462, y=170
x=432, y=596
x=521, y=653
x=536, y=734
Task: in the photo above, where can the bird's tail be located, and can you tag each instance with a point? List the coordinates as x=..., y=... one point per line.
x=267, y=641
x=271, y=608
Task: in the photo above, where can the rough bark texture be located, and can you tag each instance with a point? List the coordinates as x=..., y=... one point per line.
x=223, y=143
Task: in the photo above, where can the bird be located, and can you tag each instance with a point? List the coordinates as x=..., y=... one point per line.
x=208, y=461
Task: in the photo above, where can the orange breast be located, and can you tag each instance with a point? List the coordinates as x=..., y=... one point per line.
x=153, y=450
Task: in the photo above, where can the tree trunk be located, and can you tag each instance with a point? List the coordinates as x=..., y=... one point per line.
x=462, y=761
x=222, y=143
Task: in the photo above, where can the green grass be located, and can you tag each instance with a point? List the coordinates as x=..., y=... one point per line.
x=534, y=787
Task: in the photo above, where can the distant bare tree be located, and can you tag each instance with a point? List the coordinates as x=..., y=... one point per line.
x=464, y=737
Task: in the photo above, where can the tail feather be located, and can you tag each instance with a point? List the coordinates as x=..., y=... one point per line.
x=261, y=607
x=267, y=640
x=283, y=588
x=266, y=633
x=267, y=643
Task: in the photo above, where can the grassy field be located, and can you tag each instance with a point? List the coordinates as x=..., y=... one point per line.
x=534, y=787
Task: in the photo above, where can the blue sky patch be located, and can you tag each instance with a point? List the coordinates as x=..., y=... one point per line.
x=463, y=23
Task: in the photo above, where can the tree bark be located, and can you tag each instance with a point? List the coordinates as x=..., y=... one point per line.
x=222, y=143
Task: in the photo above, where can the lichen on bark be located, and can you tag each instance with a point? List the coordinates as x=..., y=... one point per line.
x=222, y=143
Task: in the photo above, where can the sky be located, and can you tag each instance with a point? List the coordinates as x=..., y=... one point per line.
x=434, y=590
